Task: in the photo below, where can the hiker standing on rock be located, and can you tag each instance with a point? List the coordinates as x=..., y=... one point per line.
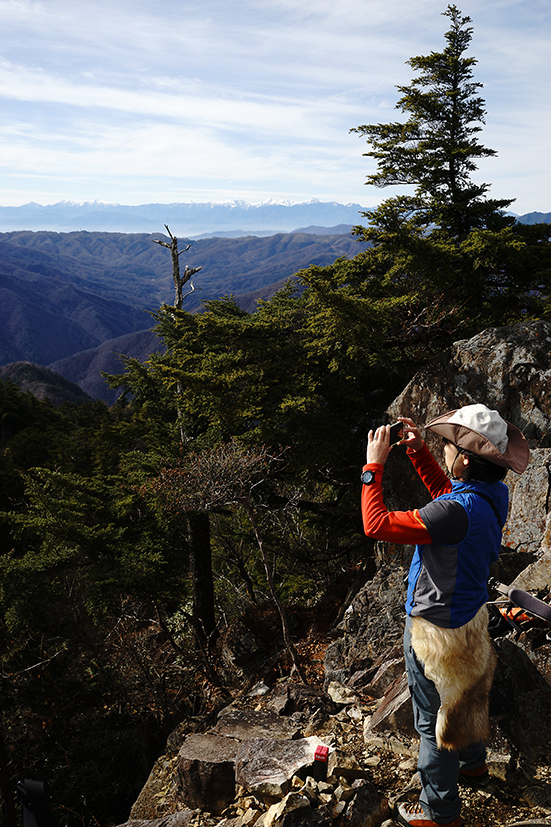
x=450, y=658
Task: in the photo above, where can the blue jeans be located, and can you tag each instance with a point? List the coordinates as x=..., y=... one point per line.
x=438, y=768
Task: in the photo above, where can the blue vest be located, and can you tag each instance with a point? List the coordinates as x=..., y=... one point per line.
x=447, y=583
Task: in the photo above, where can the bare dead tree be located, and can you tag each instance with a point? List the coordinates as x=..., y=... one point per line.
x=179, y=280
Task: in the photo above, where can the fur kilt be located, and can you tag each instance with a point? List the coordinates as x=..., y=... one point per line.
x=461, y=663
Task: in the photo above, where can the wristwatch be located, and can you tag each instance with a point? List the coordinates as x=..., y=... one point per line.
x=368, y=477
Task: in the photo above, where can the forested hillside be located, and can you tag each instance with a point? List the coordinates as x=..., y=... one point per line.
x=68, y=293
x=133, y=267
x=225, y=479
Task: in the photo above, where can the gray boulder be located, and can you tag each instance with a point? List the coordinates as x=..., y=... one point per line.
x=206, y=767
x=371, y=626
x=527, y=526
x=265, y=767
x=288, y=699
x=246, y=724
x=180, y=819
x=508, y=368
x=521, y=701
x=394, y=713
x=536, y=576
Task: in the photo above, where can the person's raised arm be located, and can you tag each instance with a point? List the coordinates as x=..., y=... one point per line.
x=393, y=526
x=432, y=475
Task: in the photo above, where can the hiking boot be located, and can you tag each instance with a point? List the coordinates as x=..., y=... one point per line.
x=478, y=778
x=411, y=813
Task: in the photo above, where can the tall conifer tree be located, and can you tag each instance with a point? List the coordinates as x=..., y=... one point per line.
x=437, y=148
x=444, y=261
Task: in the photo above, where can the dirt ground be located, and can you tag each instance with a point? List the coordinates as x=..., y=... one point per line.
x=501, y=804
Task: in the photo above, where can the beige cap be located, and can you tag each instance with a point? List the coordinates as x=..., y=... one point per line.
x=484, y=432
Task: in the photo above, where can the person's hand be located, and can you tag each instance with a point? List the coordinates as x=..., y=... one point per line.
x=411, y=436
x=378, y=445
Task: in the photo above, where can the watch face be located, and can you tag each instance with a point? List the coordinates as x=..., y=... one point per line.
x=367, y=477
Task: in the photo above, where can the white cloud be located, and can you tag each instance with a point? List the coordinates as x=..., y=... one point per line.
x=239, y=97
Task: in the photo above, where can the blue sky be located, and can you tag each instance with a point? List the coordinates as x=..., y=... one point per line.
x=215, y=100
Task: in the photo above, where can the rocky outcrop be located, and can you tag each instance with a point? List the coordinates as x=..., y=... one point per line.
x=507, y=368
x=371, y=626
x=527, y=526
x=237, y=779
x=288, y=779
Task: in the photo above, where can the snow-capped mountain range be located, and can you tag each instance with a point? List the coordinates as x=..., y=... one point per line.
x=189, y=219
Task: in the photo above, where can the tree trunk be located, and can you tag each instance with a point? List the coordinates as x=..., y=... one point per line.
x=201, y=577
x=7, y=790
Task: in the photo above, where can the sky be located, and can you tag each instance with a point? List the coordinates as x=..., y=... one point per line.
x=163, y=101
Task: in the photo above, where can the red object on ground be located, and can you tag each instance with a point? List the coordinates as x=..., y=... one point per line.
x=321, y=754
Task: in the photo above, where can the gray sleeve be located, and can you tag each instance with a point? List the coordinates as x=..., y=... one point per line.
x=446, y=521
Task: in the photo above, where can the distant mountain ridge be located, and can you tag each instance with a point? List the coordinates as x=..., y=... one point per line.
x=535, y=218
x=194, y=219
x=73, y=301
x=190, y=219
